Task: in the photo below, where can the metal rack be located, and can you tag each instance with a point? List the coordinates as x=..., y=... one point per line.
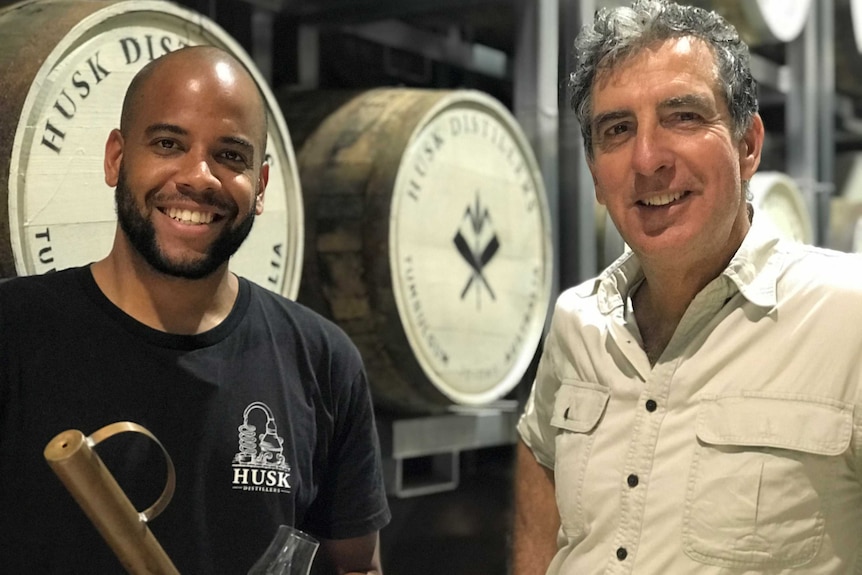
x=421, y=454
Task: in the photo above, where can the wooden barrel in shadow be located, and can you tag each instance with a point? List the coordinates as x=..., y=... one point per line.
x=773, y=22
x=428, y=239
x=762, y=22
x=65, y=67
x=758, y=22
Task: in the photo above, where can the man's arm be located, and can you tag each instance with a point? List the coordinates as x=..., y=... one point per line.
x=356, y=556
x=537, y=519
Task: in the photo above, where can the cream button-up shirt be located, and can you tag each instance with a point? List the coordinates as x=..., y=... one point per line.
x=740, y=451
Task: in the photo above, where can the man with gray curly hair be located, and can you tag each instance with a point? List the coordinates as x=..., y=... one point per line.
x=693, y=410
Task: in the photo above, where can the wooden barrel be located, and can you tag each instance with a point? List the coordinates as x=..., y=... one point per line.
x=848, y=176
x=768, y=22
x=428, y=239
x=759, y=22
x=762, y=22
x=848, y=48
x=777, y=196
x=845, y=225
x=845, y=207
x=66, y=65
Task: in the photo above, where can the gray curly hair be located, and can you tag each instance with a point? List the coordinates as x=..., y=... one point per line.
x=618, y=33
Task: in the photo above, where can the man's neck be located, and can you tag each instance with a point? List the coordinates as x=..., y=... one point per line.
x=663, y=298
x=162, y=302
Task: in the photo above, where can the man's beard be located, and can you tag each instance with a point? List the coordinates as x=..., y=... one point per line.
x=142, y=235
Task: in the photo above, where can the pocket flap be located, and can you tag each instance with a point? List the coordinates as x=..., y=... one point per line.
x=808, y=424
x=579, y=405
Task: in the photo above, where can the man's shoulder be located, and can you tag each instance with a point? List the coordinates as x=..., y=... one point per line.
x=819, y=267
x=822, y=279
x=310, y=323
x=49, y=282
x=271, y=301
x=41, y=303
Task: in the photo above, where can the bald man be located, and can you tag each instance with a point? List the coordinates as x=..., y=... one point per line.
x=262, y=405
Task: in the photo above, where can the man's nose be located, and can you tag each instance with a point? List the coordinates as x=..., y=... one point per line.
x=196, y=173
x=651, y=150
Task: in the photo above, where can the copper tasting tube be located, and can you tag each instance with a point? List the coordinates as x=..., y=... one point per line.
x=91, y=484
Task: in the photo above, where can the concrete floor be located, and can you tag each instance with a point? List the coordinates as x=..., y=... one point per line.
x=459, y=532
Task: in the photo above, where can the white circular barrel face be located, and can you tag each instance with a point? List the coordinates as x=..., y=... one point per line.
x=856, y=242
x=762, y=22
x=856, y=20
x=781, y=19
x=778, y=197
x=61, y=212
x=470, y=249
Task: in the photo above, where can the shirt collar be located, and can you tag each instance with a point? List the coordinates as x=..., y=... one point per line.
x=753, y=270
x=756, y=265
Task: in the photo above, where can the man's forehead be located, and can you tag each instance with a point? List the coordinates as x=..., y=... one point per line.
x=191, y=70
x=667, y=69
x=676, y=48
x=215, y=80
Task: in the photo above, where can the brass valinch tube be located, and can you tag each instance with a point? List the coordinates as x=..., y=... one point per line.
x=91, y=484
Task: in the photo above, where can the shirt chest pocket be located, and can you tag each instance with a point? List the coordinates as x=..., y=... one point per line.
x=578, y=408
x=762, y=474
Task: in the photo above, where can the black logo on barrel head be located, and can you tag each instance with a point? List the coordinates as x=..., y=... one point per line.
x=476, y=224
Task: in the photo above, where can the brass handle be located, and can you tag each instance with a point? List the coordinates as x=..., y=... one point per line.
x=91, y=484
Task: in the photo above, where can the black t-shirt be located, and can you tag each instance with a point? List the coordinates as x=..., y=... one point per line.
x=267, y=419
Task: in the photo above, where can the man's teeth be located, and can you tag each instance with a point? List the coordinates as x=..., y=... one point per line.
x=663, y=199
x=190, y=217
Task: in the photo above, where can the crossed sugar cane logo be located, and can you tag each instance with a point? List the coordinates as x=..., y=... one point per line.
x=477, y=224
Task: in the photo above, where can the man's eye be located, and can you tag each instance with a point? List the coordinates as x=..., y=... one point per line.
x=616, y=130
x=166, y=144
x=235, y=157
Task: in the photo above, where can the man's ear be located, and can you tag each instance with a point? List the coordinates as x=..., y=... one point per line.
x=262, y=180
x=113, y=157
x=750, y=148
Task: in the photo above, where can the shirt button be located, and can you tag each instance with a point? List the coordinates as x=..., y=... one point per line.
x=632, y=480
x=651, y=405
x=622, y=553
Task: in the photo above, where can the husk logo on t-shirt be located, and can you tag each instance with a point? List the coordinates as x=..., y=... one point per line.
x=260, y=464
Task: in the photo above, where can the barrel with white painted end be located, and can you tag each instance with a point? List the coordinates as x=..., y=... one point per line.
x=427, y=239
x=66, y=65
x=780, y=201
